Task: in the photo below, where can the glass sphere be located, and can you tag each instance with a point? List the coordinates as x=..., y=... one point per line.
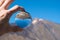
x=22, y=20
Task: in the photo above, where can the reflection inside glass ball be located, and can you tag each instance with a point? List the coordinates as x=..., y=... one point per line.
x=23, y=15
x=23, y=20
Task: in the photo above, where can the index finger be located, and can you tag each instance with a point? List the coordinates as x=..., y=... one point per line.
x=7, y=3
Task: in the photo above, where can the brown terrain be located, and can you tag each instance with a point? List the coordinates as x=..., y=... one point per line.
x=39, y=30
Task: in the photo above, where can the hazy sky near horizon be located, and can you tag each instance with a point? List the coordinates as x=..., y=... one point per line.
x=45, y=9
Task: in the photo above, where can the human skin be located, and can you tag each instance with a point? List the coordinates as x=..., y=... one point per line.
x=5, y=15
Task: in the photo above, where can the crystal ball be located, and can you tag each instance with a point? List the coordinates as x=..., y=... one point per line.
x=22, y=20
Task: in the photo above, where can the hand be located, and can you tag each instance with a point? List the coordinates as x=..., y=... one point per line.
x=6, y=14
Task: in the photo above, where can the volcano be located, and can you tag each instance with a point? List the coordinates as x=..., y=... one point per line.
x=40, y=29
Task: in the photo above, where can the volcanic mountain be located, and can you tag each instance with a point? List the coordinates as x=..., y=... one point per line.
x=40, y=29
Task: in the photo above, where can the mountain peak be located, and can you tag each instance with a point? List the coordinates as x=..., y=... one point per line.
x=41, y=19
x=35, y=21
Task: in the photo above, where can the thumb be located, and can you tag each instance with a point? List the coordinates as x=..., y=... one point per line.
x=15, y=9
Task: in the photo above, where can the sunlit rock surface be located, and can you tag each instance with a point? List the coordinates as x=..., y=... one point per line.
x=39, y=30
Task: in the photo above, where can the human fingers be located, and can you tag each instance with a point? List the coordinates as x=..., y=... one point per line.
x=1, y=2
x=7, y=3
x=15, y=9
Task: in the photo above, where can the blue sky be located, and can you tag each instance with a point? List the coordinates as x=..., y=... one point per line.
x=45, y=9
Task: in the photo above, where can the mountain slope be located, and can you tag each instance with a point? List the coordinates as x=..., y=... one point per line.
x=39, y=30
